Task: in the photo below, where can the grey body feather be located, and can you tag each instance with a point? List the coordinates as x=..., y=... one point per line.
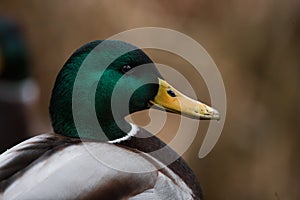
x=51, y=166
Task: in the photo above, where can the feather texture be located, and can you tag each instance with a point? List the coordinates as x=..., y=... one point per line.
x=84, y=170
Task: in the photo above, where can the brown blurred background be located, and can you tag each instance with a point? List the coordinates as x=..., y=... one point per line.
x=255, y=44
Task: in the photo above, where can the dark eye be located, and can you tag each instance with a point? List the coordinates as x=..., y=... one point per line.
x=125, y=68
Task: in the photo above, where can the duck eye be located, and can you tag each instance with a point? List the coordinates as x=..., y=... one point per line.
x=126, y=68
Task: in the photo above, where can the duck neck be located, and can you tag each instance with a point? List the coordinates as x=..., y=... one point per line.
x=117, y=131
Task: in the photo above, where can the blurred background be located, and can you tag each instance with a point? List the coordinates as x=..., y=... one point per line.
x=255, y=44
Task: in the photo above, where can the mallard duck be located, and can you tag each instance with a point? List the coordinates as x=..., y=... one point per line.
x=17, y=89
x=77, y=162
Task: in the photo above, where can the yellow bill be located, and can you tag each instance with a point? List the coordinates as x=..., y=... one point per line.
x=170, y=99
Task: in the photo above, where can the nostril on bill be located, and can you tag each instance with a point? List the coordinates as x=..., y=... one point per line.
x=171, y=93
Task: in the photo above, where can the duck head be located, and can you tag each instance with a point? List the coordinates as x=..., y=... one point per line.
x=13, y=52
x=118, y=75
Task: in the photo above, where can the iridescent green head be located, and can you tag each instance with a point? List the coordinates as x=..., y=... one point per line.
x=107, y=80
